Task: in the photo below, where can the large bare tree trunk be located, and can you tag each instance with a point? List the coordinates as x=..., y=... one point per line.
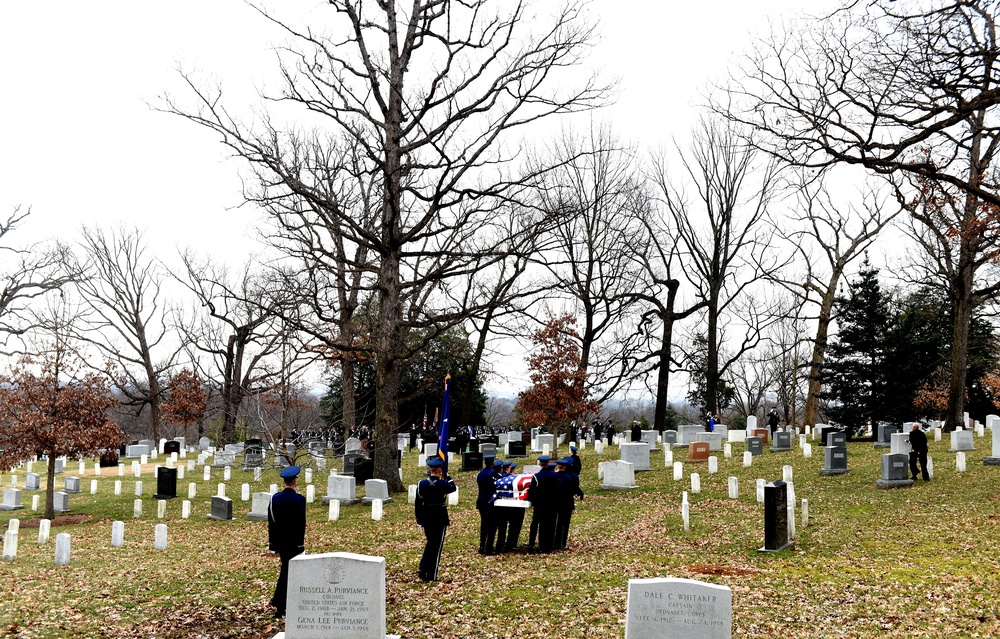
x=819, y=353
x=663, y=368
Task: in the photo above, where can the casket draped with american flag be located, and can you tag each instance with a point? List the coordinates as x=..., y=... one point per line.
x=512, y=491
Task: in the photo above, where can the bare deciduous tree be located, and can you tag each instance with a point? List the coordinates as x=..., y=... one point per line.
x=28, y=272
x=724, y=242
x=430, y=93
x=839, y=233
x=127, y=322
x=594, y=194
x=908, y=90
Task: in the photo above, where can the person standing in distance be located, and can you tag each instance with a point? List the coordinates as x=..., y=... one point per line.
x=486, y=481
x=286, y=531
x=918, y=452
x=431, y=512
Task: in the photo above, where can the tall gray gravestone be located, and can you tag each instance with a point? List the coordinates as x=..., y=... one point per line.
x=336, y=595
x=667, y=607
x=895, y=471
x=637, y=454
x=834, y=461
x=885, y=432
x=782, y=442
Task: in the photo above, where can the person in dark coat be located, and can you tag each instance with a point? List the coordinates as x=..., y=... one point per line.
x=575, y=464
x=515, y=516
x=569, y=490
x=772, y=420
x=918, y=452
x=486, y=481
x=431, y=511
x=536, y=517
x=544, y=496
x=286, y=532
x=636, y=431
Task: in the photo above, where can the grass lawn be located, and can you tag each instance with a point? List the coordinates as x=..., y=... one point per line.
x=914, y=562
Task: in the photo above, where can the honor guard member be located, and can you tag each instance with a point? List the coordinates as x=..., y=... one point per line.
x=486, y=481
x=575, y=464
x=544, y=501
x=569, y=490
x=286, y=531
x=543, y=461
x=431, y=513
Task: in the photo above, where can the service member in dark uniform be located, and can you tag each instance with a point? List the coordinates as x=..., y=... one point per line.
x=544, y=497
x=536, y=517
x=286, y=531
x=431, y=511
x=575, y=464
x=515, y=517
x=486, y=481
x=636, y=434
x=918, y=452
x=569, y=490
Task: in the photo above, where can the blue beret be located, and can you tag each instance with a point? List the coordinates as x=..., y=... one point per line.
x=291, y=471
x=544, y=458
x=435, y=462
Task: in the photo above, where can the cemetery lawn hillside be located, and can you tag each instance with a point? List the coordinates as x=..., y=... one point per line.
x=914, y=562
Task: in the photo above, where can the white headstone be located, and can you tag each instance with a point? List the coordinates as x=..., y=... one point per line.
x=960, y=462
x=35, y=499
x=221, y=490
x=118, y=534
x=805, y=513
x=160, y=537
x=192, y=490
x=747, y=459
x=185, y=509
x=376, y=510
x=695, y=483
x=310, y=493
x=678, y=471
x=161, y=508
x=10, y=545
x=686, y=515
x=334, y=513
x=667, y=608
x=807, y=451
x=786, y=473
x=336, y=595
x=760, y=490
x=137, y=508
x=713, y=465
x=618, y=474
x=668, y=456
x=727, y=450
x=62, y=549
x=453, y=498
x=118, y=486
x=44, y=526
x=637, y=454
x=734, y=488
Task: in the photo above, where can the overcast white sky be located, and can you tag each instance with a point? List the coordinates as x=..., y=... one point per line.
x=82, y=146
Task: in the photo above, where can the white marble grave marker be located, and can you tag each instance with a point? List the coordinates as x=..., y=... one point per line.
x=137, y=509
x=336, y=595
x=334, y=513
x=760, y=490
x=376, y=510
x=747, y=459
x=160, y=537
x=678, y=471
x=62, y=549
x=221, y=490
x=695, y=483
x=713, y=465
x=118, y=534
x=668, y=607
x=138, y=489
x=161, y=508
x=10, y=545
x=185, y=509
x=44, y=527
x=734, y=488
